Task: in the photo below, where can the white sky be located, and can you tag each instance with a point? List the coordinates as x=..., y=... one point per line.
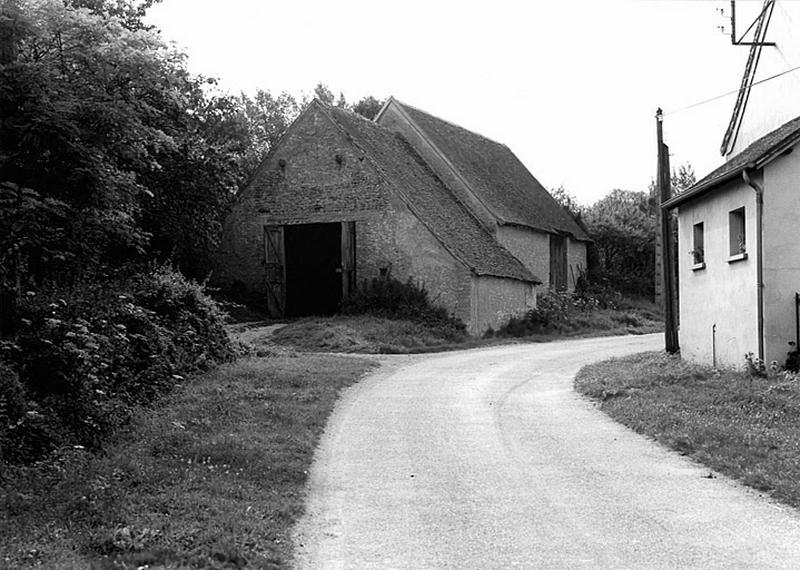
x=571, y=86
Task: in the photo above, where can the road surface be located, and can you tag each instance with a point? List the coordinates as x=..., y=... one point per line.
x=488, y=459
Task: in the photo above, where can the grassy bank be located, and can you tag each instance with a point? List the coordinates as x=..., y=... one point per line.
x=745, y=427
x=368, y=334
x=212, y=478
x=375, y=335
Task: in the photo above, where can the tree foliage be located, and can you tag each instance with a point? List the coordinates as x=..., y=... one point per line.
x=623, y=227
x=368, y=107
x=101, y=117
x=267, y=117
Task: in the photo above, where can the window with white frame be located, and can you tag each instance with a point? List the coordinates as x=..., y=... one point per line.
x=698, y=251
x=736, y=233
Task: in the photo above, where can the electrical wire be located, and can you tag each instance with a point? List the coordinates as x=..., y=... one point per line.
x=735, y=91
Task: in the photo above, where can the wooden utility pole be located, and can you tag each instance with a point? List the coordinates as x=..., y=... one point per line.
x=669, y=291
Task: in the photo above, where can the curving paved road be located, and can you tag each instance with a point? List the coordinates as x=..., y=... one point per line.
x=488, y=459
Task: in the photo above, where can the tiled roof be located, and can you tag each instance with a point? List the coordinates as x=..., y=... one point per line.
x=430, y=200
x=756, y=155
x=497, y=176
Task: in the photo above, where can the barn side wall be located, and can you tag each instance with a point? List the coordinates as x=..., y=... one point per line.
x=781, y=254
x=532, y=248
x=576, y=262
x=495, y=300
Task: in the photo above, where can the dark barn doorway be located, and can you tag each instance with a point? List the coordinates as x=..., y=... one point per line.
x=558, y=262
x=313, y=269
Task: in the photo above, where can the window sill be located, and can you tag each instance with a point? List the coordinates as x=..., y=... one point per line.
x=737, y=257
x=699, y=266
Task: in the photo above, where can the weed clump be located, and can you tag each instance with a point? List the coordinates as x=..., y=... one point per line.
x=559, y=312
x=393, y=299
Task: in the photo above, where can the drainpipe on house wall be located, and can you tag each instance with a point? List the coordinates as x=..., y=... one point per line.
x=759, y=251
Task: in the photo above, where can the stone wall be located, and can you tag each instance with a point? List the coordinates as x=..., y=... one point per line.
x=316, y=175
x=301, y=181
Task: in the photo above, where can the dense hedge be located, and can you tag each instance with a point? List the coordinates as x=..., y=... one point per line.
x=81, y=358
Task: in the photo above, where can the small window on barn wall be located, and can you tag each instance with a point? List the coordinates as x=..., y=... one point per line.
x=736, y=235
x=698, y=248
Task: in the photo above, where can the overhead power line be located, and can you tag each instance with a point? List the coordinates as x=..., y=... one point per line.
x=735, y=91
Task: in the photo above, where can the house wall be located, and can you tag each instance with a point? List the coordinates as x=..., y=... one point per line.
x=495, y=300
x=312, y=187
x=722, y=294
x=781, y=254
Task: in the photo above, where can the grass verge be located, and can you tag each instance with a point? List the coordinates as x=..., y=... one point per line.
x=379, y=335
x=369, y=334
x=212, y=478
x=742, y=426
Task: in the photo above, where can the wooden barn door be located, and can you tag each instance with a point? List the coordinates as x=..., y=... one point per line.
x=275, y=265
x=348, y=258
x=558, y=262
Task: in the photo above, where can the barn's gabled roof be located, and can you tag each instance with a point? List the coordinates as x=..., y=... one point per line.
x=429, y=199
x=495, y=175
x=761, y=152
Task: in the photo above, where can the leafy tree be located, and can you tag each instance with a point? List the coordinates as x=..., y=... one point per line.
x=129, y=12
x=267, y=117
x=100, y=116
x=323, y=93
x=622, y=225
x=683, y=178
x=567, y=201
x=368, y=107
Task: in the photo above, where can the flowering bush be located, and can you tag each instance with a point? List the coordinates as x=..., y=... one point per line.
x=83, y=357
x=553, y=309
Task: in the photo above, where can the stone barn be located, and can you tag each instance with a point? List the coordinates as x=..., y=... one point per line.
x=340, y=199
x=503, y=195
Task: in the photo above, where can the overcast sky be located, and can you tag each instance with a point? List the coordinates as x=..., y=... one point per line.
x=571, y=86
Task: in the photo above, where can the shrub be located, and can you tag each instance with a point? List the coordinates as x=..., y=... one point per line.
x=85, y=355
x=555, y=311
x=394, y=299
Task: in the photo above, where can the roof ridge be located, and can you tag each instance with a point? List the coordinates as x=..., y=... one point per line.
x=452, y=124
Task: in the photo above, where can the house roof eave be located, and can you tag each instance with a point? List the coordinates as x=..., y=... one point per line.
x=759, y=162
